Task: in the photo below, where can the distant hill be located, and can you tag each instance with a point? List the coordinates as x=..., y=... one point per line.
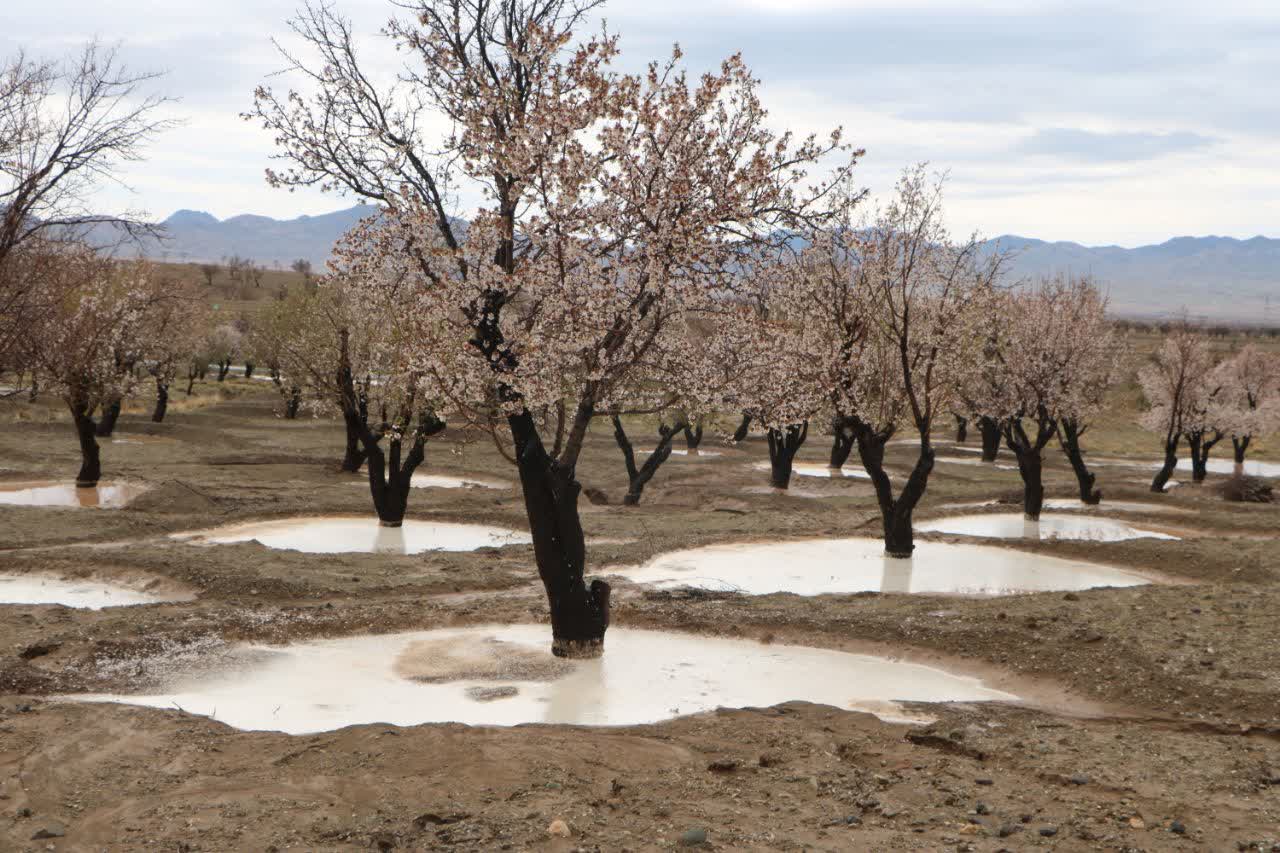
x=1215, y=278
x=195, y=236
x=1221, y=279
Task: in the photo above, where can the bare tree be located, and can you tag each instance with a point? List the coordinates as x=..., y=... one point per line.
x=64, y=128
x=210, y=272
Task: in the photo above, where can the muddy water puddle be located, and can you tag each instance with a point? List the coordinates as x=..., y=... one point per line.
x=1089, y=528
x=336, y=535
x=805, y=469
x=505, y=675
x=820, y=566
x=55, y=494
x=444, y=481
x=91, y=594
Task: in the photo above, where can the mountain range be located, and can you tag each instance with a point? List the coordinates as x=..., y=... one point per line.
x=1220, y=279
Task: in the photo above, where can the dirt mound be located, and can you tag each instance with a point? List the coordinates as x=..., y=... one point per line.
x=462, y=659
x=174, y=496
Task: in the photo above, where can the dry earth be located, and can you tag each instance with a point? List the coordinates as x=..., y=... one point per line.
x=1153, y=721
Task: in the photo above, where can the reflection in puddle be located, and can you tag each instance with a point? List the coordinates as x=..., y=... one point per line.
x=1016, y=526
x=89, y=594
x=440, y=481
x=821, y=566
x=961, y=460
x=805, y=469
x=700, y=454
x=644, y=677
x=321, y=535
x=103, y=496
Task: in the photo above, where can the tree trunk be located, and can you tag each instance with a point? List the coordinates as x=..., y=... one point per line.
x=1069, y=438
x=693, y=438
x=962, y=429
x=990, y=438
x=248, y=370
x=1170, y=463
x=354, y=455
x=162, y=402
x=1201, y=445
x=783, y=446
x=110, y=415
x=292, y=403
x=740, y=434
x=841, y=443
x=224, y=367
x=90, y=462
x=388, y=484
x=639, y=477
x=1030, y=455
x=1031, y=467
x=579, y=614
x=895, y=514
x=1240, y=447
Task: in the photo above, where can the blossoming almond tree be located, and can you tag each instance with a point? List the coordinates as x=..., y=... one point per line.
x=924, y=295
x=613, y=206
x=1249, y=402
x=1038, y=338
x=1171, y=381
x=103, y=309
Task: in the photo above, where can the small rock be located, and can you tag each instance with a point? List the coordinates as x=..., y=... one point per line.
x=1080, y=779
x=1136, y=822
x=723, y=765
x=1178, y=828
x=492, y=693
x=982, y=808
x=51, y=830
x=1048, y=831
x=559, y=829
x=695, y=837
x=984, y=781
x=1071, y=596
x=1008, y=829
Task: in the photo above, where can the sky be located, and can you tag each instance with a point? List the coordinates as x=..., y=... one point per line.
x=1121, y=123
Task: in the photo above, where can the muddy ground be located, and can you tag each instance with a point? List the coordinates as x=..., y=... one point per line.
x=1153, y=716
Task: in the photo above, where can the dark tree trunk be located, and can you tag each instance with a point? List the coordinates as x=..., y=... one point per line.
x=740, y=434
x=639, y=477
x=784, y=444
x=1240, y=447
x=110, y=415
x=354, y=455
x=841, y=442
x=693, y=437
x=1201, y=444
x=248, y=370
x=292, y=403
x=579, y=614
x=390, y=475
x=224, y=367
x=1069, y=437
x=1029, y=451
x=162, y=402
x=90, y=462
x=962, y=429
x=1170, y=463
x=895, y=513
x=990, y=430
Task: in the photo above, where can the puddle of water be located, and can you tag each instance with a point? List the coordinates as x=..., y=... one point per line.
x=320, y=535
x=440, y=481
x=806, y=469
x=1016, y=526
x=90, y=594
x=960, y=460
x=103, y=496
x=819, y=566
x=699, y=455
x=1118, y=506
x=504, y=676
x=1252, y=467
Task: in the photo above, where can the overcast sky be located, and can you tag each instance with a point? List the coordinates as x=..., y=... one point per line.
x=1121, y=122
